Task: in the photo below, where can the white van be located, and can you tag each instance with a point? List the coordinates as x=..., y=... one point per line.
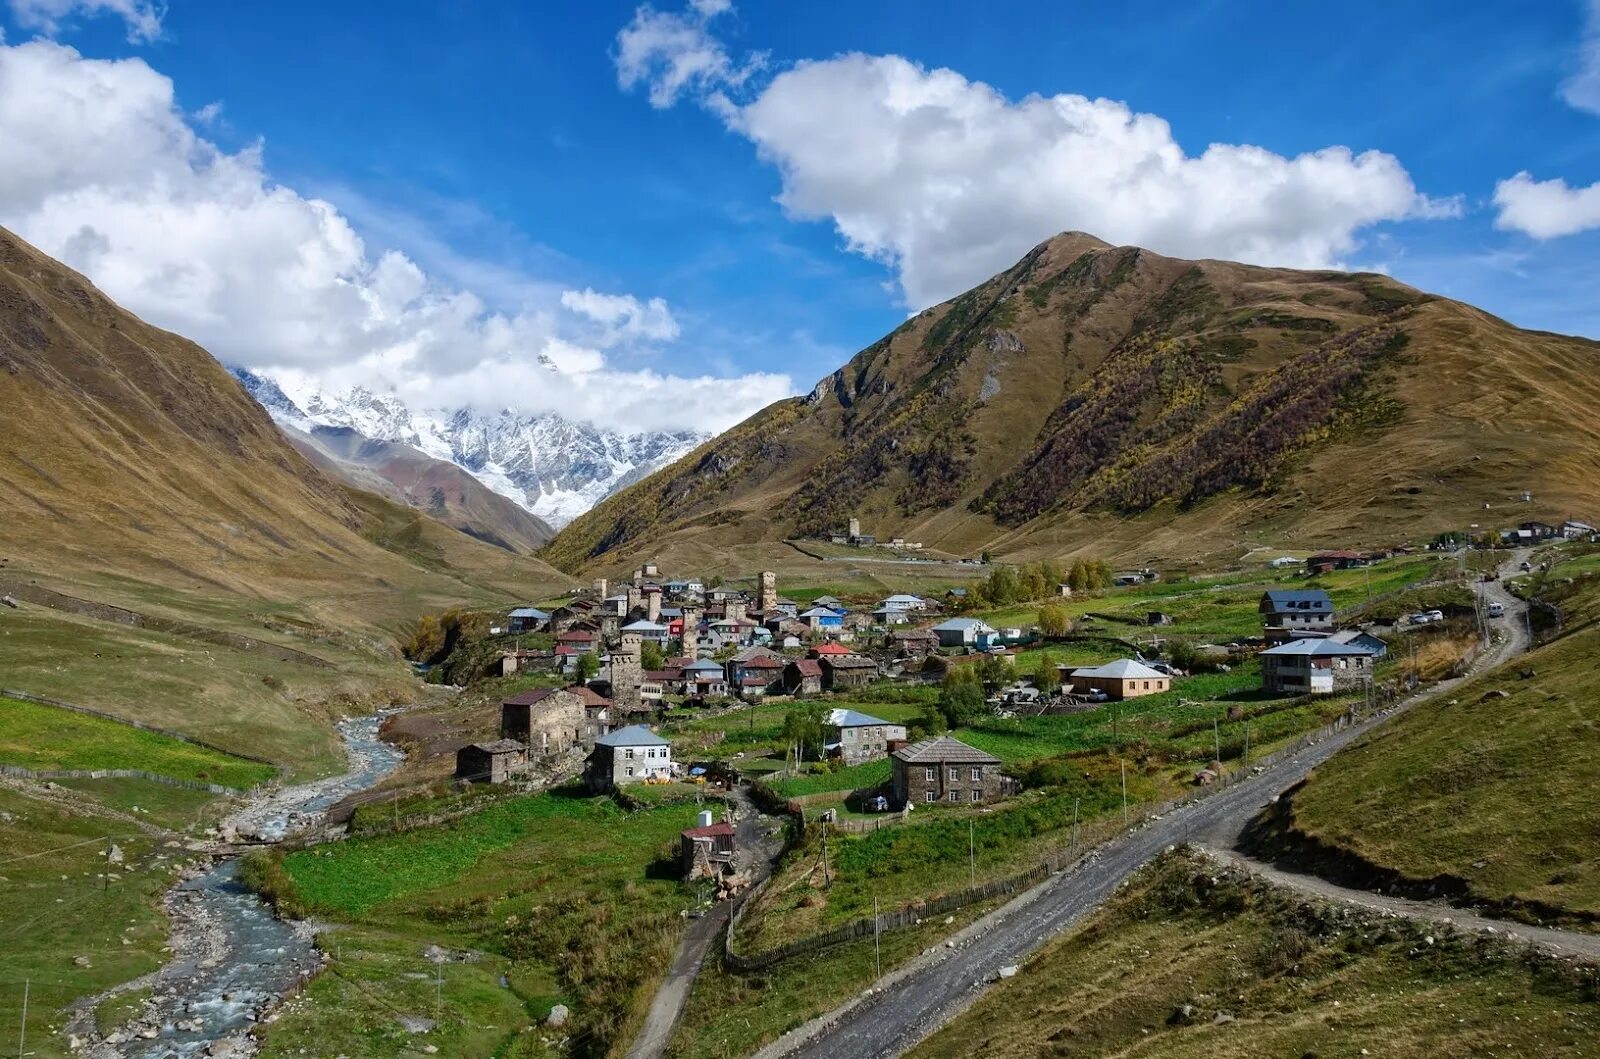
x=1497, y=610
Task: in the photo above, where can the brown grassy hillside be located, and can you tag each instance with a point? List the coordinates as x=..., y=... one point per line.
x=1147, y=407
x=135, y=471
x=409, y=476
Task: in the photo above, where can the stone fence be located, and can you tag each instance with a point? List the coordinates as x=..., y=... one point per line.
x=118, y=774
x=12, y=693
x=45, y=597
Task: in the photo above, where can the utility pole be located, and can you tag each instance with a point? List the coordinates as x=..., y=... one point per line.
x=1075, y=802
x=22, y=1038
x=1124, y=765
x=1247, y=744
x=877, y=947
x=438, y=991
x=824, y=856
x=1216, y=741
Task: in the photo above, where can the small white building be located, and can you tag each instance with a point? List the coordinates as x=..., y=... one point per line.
x=964, y=632
x=628, y=755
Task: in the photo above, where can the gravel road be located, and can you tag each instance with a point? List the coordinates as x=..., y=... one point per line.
x=912, y=1003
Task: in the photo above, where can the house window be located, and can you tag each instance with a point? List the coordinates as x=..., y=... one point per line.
x=628, y=754
x=933, y=774
x=628, y=771
x=932, y=796
x=977, y=796
x=955, y=774
x=955, y=796
x=977, y=773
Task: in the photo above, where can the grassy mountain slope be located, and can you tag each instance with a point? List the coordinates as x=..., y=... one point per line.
x=1189, y=961
x=136, y=472
x=413, y=478
x=1488, y=795
x=1150, y=407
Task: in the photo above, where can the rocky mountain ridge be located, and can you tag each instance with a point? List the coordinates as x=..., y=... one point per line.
x=553, y=467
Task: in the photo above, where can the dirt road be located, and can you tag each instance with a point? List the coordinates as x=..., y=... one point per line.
x=760, y=851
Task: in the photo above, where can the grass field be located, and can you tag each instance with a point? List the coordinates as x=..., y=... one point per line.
x=60, y=899
x=1186, y=963
x=1495, y=791
x=731, y=1015
x=42, y=737
x=570, y=897
x=1221, y=608
x=238, y=700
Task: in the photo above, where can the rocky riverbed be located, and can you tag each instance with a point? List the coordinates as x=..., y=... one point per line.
x=233, y=960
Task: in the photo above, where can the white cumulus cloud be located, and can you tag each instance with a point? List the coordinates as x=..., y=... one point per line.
x=105, y=172
x=1582, y=89
x=1546, y=209
x=948, y=181
x=673, y=53
x=623, y=315
x=142, y=17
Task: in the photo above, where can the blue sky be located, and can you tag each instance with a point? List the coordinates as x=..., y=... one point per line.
x=493, y=146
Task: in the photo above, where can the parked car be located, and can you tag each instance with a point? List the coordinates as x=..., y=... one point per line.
x=1497, y=610
x=1420, y=618
x=1436, y=615
x=1097, y=696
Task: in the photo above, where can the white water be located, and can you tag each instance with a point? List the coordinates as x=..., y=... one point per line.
x=234, y=957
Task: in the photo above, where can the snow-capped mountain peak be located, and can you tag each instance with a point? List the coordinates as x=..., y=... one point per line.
x=552, y=466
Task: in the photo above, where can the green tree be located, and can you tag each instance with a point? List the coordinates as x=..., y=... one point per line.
x=1078, y=576
x=651, y=656
x=1031, y=582
x=1046, y=677
x=961, y=697
x=588, y=667
x=1053, y=620
x=803, y=727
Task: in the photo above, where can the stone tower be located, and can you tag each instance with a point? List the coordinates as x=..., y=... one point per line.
x=767, y=600
x=627, y=676
x=691, y=632
x=855, y=528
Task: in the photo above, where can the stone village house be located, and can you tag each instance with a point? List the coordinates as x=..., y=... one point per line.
x=945, y=770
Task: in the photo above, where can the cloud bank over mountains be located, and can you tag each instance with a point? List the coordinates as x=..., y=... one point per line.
x=104, y=171
x=946, y=181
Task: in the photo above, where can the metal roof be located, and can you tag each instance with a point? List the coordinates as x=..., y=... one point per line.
x=1315, y=596
x=962, y=625
x=852, y=719
x=1317, y=648
x=529, y=612
x=633, y=735
x=1121, y=669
